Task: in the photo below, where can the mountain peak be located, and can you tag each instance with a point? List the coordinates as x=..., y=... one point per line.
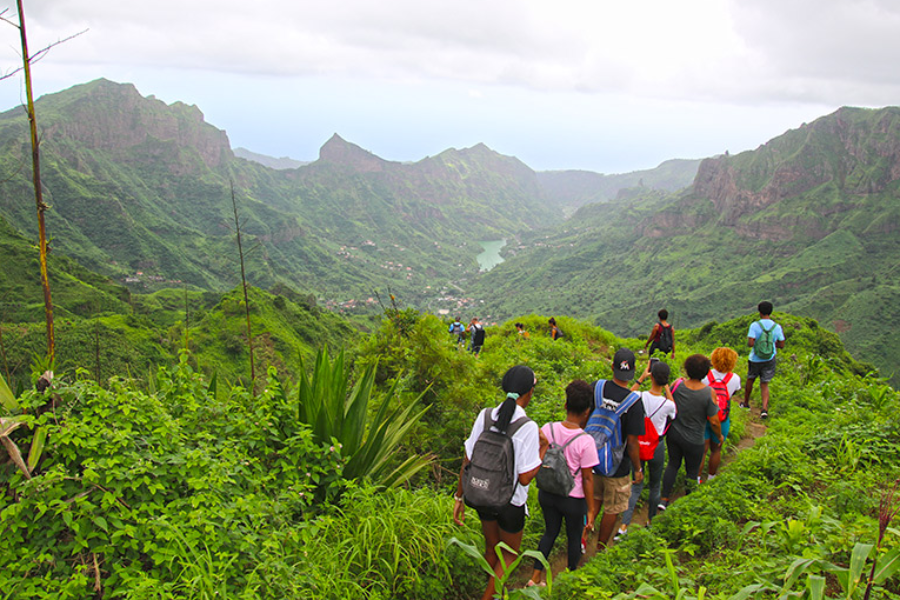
x=339, y=151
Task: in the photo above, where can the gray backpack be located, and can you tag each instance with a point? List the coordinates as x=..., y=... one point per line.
x=490, y=477
x=555, y=476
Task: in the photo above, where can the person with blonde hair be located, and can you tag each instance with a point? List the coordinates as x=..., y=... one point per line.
x=726, y=383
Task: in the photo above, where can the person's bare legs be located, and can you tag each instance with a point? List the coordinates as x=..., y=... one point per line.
x=764, y=392
x=493, y=535
x=607, y=524
x=748, y=388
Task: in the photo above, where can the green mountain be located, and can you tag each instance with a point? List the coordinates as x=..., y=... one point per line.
x=142, y=190
x=808, y=220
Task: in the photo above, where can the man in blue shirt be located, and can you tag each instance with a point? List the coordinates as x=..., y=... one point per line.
x=765, y=337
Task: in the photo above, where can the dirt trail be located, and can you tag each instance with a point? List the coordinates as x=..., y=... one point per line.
x=755, y=430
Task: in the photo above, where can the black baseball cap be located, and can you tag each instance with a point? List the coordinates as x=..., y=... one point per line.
x=623, y=364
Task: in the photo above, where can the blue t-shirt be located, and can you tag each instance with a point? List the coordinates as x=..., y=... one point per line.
x=756, y=331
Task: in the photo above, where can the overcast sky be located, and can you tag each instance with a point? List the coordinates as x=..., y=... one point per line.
x=588, y=84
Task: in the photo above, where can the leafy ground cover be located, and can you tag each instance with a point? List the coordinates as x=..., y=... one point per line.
x=180, y=487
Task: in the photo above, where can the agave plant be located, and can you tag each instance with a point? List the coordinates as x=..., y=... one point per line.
x=10, y=423
x=337, y=413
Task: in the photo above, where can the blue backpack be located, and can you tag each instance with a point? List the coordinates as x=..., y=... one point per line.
x=605, y=426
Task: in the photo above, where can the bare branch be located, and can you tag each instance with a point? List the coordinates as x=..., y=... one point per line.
x=40, y=53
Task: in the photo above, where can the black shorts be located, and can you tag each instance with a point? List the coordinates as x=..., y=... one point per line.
x=764, y=370
x=510, y=518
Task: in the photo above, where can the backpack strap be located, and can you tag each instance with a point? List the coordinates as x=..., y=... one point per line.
x=627, y=403
x=572, y=439
x=658, y=408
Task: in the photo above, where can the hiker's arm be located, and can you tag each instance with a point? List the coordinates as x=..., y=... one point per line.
x=751, y=341
x=714, y=422
x=526, y=477
x=637, y=384
x=779, y=344
x=650, y=338
x=716, y=426
x=459, y=507
x=587, y=484
x=634, y=453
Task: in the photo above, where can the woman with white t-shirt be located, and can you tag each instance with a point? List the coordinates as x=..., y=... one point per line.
x=506, y=524
x=580, y=451
x=660, y=409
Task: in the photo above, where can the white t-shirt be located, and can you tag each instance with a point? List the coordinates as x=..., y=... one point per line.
x=732, y=386
x=526, y=442
x=663, y=408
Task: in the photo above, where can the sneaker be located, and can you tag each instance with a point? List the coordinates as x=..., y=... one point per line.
x=662, y=506
x=764, y=414
x=623, y=531
x=745, y=405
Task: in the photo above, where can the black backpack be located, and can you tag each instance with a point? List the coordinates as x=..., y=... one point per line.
x=478, y=335
x=665, y=339
x=555, y=476
x=490, y=477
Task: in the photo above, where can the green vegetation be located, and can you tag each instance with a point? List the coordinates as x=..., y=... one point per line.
x=808, y=221
x=186, y=489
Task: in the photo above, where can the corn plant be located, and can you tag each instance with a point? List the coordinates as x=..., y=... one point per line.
x=502, y=589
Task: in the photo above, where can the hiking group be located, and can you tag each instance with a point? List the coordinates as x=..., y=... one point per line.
x=591, y=468
x=476, y=333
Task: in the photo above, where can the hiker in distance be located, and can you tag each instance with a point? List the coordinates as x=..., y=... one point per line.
x=459, y=330
x=520, y=331
x=503, y=453
x=476, y=336
x=662, y=336
x=566, y=480
x=615, y=425
x=555, y=332
x=765, y=338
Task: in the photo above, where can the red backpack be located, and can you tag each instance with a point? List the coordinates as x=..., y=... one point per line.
x=722, y=395
x=650, y=440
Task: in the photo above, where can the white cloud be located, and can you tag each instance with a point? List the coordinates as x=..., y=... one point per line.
x=420, y=62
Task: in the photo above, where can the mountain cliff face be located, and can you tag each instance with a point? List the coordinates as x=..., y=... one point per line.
x=136, y=185
x=809, y=220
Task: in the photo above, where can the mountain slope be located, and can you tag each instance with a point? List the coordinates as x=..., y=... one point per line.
x=136, y=185
x=808, y=220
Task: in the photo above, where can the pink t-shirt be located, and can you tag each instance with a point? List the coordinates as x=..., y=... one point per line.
x=580, y=454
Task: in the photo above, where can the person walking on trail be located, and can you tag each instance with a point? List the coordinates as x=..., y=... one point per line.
x=765, y=337
x=660, y=410
x=619, y=454
x=662, y=336
x=580, y=457
x=520, y=331
x=555, y=332
x=696, y=405
x=726, y=383
x=476, y=336
x=508, y=423
x=459, y=330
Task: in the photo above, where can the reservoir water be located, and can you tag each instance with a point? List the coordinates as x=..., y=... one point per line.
x=490, y=258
